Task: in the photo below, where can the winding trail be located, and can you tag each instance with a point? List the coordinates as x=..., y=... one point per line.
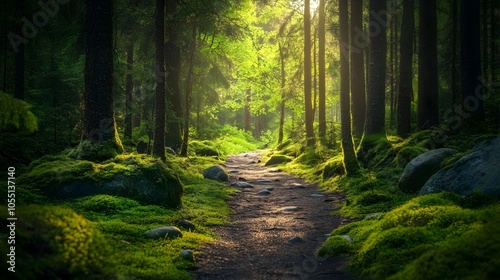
x=256, y=244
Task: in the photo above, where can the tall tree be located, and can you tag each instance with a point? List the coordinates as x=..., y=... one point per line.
x=129, y=87
x=173, y=137
x=375, y=110
x=309, y=118
x=98, y=122
x=470, y=59
x=322, y=71
x=159, y=131
x=357, y=69
x=454, y=47
x=406, y=69
x=427, y=115
x=283, y=94
x=351, y=164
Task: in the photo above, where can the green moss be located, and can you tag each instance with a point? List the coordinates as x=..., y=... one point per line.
x=309, y=157
x=278, y=159
x=368, y=198
x=57, y=243
x=203, y=148
x=373, y=150
x=96, y=151
x=333, y=167
x=334, y=246
x=105, y=204
x=406, y=154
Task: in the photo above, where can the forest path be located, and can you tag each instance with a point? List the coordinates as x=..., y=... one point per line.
x=256, y=244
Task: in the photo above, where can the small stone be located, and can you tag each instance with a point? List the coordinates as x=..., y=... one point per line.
x=276, y=180
x=263, y=181
x=316, y=195
x=242, y=179
x=234, y=171
x=186, y=225
x=274, y=170
x=264, y=192
x=242, y=185
x=296, y=186
x=289, y=209
x=187, y=255
x=168, y=232
x=295, y=240
x=269, y=188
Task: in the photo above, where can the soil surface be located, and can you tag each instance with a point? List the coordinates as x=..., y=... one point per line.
x=265, y=240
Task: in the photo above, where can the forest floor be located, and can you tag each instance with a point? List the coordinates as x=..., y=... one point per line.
x=265, y=240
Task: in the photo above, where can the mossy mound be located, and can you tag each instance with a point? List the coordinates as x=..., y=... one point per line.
x=333, y=167
x=97, y=152
x=431, y=233
x=203, y=148
x=373, y=151
x=335, y=246
x=56, y=243
x=406, y=154
x=277, y=159
x=139, y=177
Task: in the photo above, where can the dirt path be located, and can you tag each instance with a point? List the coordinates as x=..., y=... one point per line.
x=257, y=245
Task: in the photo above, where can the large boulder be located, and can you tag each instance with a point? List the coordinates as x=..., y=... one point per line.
x=421, y=168
x=477, y=171
x=277, y=159
x=217, y=173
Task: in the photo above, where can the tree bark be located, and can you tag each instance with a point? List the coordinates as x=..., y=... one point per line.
x=173, y=69
x=351, y=164
x=454, y=30
x=309, y=118
x=283, y=95
x=19, y=56
x=129, y=86
x=470, y=60
x=406, y=69
x=98, y=123
x=375, y=112
x=159, y=131
x=357, y=69
x=322, y=71
x=427, y=115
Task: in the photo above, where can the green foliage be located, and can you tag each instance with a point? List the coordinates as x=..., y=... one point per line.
x=56, y=242
x=406, y=154
x=333, y=167
x=203, y=148
x=16, y=113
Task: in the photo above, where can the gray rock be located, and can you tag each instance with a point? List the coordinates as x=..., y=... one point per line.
x=421, y=168
x=187, y=255
x=264, y=192
x=296, y=186
x=168, y=232
x=269, y=188
x=186, y=225
x=216, y=173
x=476, y=171
x=242, y=185
x=289, y=209
x=316, y=195
x=274, y=170
x=295, y=240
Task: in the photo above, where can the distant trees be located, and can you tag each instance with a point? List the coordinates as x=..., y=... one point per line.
x=322, y=70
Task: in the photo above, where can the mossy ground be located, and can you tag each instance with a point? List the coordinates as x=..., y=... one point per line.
x=400, y=236
x=121, y=222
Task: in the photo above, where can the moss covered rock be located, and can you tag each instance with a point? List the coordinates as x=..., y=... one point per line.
x=277, y=159
x=333, y=167
x=421, y=168
x=139, y=177
x=204, y=148
x=56, y=243
x=217, y=173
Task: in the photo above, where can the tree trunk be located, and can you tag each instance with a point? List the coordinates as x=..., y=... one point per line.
x=159, y=131
x=484, y=31
x=357, y=69
x=98, y=123
x=351, y=164
x=246, y=109
x=427, y=116
x=309, y=118
x=128, y=92
x=406, y=67
x=375, y=112
x=493, y=36
x=173, y=69
x=283, y=95
x=454, y=30
x=470, y=60
x=136, y=122
x=189, y=89
x=322, y=71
